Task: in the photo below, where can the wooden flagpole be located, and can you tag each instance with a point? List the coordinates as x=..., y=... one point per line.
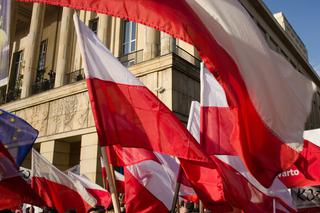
x=176, y=193
x=201, y=208
x=177, y=189
x=111, y=181
x=104, y=183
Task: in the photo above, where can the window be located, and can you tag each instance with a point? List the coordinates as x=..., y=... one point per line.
x=15, y=77
x=129, y=40
x=93, y=25
x=17, y=65
x=42, y=60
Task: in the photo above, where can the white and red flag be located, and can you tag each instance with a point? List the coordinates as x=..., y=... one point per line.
x=125, y=111
x=305, y=171
x=218, y=131
x=57, y=189
x=149, y=185
x=128, y=114
x=240, y=188
x=100, y=194
x=273, y=100
x=119, y=178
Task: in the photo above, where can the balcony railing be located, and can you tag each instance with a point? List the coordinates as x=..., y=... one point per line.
x=187, y=56
x=43, y=85
x=75, y=76
x=137, y=56
x=13, y=94
x=132, y=58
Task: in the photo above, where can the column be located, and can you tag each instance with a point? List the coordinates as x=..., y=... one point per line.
x=103, y=29
x=89, y=157
x=167, y=43
x=64, y=49
x=115, y=35
x=57, y=153
x=152, y=40
x=32, y=50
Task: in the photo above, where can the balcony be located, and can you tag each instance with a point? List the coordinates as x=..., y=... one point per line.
x=131, y=58
x=43, y=85
x=13, y=95
x=137, y=56
x=75, y=76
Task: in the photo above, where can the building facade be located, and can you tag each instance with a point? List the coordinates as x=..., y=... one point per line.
x=294, y=38
x=46, y=82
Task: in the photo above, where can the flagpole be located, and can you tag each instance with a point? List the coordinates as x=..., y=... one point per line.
x=177, y=189
x=111, y=181
x=274, y=205
x=104, y=183
x=113, y=175
x=103, y=177
x=201, y=208
x=176, y=193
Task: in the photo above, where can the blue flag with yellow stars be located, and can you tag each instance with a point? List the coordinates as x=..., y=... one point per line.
x=16, y=135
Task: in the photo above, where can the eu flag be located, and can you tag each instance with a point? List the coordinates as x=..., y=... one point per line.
x=16, y=135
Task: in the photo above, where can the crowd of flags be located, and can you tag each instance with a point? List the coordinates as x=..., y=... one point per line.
x=244, y=145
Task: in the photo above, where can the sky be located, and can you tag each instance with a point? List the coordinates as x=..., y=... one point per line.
x=304, y=16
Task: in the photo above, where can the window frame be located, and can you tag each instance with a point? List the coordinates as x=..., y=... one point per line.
x=129, y=44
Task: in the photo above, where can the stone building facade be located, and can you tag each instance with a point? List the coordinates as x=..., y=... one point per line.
x=46, y=82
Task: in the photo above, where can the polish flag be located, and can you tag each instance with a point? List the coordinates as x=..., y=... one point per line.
x=57, y=189
x=118, y=176
x=154, y=181
x=240, y=188
x=209, y=182
x=125, y=111
x=217, y=129
x=218, y=122
x=100, y=194
x=305, y=172
x=128, y=114
x=266, y=135
x=273, y=100
x=138, y=199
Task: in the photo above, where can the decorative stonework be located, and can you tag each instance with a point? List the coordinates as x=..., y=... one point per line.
x=37, y=116
x=69, y=113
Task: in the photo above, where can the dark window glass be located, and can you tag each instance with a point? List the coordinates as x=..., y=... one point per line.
x=42, y=60
x=93, y=25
